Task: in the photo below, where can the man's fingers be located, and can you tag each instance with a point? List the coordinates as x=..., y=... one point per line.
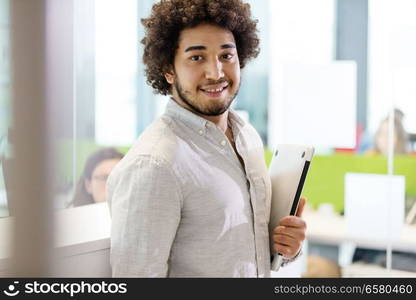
x=285, y=250
x=293, y=233
x=292, y=221
x=284, y=239
x=301, y=206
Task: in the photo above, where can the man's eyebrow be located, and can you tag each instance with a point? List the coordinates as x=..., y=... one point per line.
x=200, y=47
x=192, y=48
x=227, y=46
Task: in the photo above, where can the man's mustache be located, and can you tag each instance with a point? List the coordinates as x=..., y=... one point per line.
x=214, y=82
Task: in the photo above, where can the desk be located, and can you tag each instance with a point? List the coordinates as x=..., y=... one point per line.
x=81, y=240
x=332, y=230
x=372, y=271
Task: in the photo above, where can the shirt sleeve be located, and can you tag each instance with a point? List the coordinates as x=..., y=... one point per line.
x=145, y=205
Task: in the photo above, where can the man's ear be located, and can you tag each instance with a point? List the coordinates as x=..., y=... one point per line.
x=170, y=75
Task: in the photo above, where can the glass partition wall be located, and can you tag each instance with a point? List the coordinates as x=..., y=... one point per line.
x=340, y=79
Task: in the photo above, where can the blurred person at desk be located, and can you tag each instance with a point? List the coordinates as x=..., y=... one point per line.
x=402, y=146
x=400, y=260
x=400, y=136
x=91, y=185
x=192, y=197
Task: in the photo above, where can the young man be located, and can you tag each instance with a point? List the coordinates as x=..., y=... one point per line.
x=192, y=196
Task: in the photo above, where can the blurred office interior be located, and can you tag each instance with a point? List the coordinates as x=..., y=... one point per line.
x=330, y=74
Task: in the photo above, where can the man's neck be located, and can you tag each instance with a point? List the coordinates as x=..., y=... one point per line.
x=220, y=121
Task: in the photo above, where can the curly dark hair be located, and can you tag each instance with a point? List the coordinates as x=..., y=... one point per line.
x=170, y=17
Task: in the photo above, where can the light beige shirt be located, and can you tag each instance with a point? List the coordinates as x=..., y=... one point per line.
x=182, y=204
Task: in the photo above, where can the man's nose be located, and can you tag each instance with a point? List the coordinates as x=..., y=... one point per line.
x=214, y=70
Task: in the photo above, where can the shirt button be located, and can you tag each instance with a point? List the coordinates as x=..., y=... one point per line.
x=200, y=132
x=223, y=143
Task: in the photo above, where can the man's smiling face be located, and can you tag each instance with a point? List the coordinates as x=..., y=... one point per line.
x=206, y=71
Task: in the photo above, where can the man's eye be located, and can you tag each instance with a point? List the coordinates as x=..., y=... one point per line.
x=228, y=56
x=196, y=57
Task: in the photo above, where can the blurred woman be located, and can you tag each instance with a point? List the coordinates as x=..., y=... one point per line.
x=400, y=137
x=91, y=186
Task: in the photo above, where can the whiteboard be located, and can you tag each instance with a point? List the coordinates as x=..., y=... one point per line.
x=316, y=105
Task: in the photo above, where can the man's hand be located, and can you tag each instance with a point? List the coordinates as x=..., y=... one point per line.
x=289, y=235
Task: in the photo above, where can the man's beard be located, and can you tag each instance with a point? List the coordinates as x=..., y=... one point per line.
x=216, y=109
